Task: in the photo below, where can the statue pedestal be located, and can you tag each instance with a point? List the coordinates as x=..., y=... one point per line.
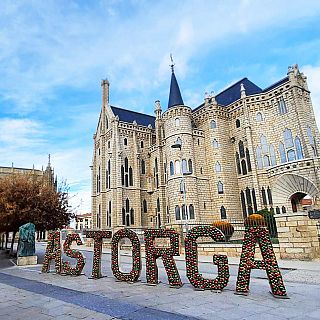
x=26, y=261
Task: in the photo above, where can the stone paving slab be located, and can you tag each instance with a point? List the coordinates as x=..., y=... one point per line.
x=160, y=302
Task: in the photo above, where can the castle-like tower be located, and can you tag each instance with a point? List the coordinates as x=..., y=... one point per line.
x=240, y=151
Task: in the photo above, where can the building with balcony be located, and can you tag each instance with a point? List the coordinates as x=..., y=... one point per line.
x=83, y=221
x=240, y=151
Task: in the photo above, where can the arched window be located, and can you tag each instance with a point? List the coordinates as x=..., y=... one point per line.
x=145, y=207
x=238, y=163
x=143, y=167
x=272, y=155
x=177, y=167
x=264, y=196
x=125, y=141
x=179, y=141
x=310, y=135
x=243, y=204
x=249, y=200
x=282, y=106
x=282, y=151
x=177, y=212
x=215, y=144
x=130, y=177
x=126, y=164
x=184, y=166
x=218, y=167
x=127, y=205
x=191, y=211
x=298, y=148
x=264, y=144
x=171, y=168
x=291, y=155
x=248, y=159
x=99, y=217
x=182, y=187
x=107, y=123
x=122, y=175
x=288, y=140
x=183, y=210
x=190, y=165
x=269, y=195
x=223, y=213
x=277, y=210
x=254, y=199
x=220, y=187
x=123, y=216
x=266, y=161
x=244, y=167
x=158, y=205
x=109, y=217
x=131, y=216
x=284, y=210
x=237, y=123
x=141, y=144
x=213, y=124
x=177, y=122
x=241, y=149
x=259, y=116
x=259, y=158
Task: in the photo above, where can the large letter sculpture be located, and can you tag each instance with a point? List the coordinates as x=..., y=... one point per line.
x=97, y=250
x=67, y=269
x=269, y=262
x=53, y=252
x=134, y=274
x=221, y=261
x=152, y=253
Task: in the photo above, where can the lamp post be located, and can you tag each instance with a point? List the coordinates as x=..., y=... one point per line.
x=178, y=145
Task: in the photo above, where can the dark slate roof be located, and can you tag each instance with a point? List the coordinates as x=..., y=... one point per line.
x=232, y=93
x=130, y=116
x=278, y=83
x=175, y=98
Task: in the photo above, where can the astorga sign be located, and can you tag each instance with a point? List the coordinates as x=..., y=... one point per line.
x=253, y=235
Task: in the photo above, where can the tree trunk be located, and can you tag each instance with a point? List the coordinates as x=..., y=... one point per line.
x=1, y=241
x=7, y=240
x=12, y=242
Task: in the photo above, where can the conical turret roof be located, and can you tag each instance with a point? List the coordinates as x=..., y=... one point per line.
x=175, y=98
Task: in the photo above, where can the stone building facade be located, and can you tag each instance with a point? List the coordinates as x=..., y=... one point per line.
x=46, y=175
x=240, y=151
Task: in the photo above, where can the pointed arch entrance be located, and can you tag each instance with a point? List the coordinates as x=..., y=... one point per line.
x=289, y=190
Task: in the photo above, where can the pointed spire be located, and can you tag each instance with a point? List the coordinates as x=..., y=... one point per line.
x=175, y=98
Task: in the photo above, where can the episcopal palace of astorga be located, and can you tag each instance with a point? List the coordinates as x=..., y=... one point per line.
x=240, y=151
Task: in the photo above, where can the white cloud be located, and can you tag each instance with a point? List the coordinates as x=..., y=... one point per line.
x=19, y=133
x=67, y=45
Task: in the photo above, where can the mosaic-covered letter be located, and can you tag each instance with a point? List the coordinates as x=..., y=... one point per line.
x=134, y=274
x=152, y=253
x=269, y=262
x=67, y=269
x=221, y=261
x=53, y=252
x=97, y=250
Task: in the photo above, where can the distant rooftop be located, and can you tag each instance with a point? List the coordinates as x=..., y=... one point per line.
x=130, y=116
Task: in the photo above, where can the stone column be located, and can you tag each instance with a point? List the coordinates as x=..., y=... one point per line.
x=298, y=236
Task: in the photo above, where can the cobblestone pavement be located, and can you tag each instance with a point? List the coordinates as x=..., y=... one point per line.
x=25, y=293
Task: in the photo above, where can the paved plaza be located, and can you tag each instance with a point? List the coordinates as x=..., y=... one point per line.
x=26, y=293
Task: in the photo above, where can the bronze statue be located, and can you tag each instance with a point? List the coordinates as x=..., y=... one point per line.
x=26, y=246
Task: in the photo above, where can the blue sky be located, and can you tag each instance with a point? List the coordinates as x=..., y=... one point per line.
x=55, y=53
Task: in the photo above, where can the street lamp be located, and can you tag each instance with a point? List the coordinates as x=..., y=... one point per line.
x=178, y=145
